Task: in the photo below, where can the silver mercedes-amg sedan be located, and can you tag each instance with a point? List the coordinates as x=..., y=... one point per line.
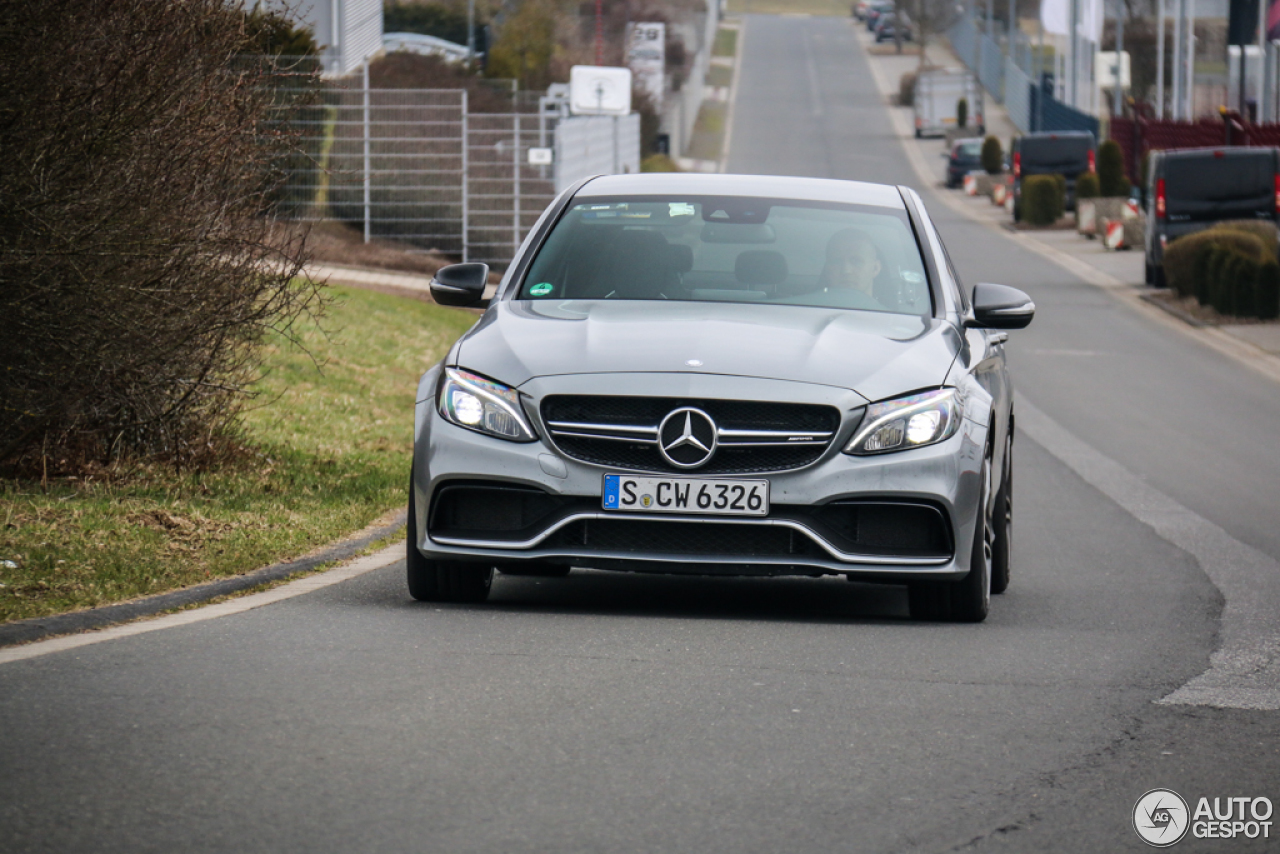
x=722, y=375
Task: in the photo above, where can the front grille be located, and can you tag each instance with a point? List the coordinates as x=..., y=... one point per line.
x=647, y=537
x=754, y=436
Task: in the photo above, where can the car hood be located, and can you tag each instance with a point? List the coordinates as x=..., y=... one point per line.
x=875, y=354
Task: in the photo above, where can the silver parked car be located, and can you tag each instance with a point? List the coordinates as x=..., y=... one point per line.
x=722, y=374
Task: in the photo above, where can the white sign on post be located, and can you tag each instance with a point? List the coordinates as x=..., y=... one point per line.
x=596, y=90
x=540, y=157
x=647, y=58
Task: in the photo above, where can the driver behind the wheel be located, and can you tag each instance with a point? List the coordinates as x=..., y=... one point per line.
x=852, y=262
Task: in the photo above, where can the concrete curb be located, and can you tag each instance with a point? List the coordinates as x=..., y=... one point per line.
x=38, y=628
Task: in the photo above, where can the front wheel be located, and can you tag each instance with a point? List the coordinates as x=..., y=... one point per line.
x=441, y=580
x=969, y=599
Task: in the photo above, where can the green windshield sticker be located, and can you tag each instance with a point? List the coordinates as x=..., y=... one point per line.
x=542, y=289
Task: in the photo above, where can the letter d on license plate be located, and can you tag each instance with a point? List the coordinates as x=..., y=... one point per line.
x=692, y=495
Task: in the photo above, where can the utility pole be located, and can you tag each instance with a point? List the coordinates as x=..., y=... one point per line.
x=471, y=32
x=1178, y=43
x=1264, y=92
x=1189, y=59
x=1115, y=79
x=1075, y=53
x=1160, y=59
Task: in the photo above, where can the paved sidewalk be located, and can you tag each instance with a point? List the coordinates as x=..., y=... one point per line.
x=1120, y=272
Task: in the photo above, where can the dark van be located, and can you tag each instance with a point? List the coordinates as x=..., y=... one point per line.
x=1067, y=153
x=1191, y=189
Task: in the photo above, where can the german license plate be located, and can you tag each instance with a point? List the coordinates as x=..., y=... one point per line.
x=686, y=495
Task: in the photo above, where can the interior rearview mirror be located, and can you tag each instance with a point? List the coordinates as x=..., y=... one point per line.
x=1000, y=307
x=460, y=284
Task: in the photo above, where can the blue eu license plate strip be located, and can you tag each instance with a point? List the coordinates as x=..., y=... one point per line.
x=690, y=495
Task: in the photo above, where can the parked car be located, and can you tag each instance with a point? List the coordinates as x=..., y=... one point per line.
x=722, y=374
x=887, y=25
x=964, y=157
x=1065, y=153
x=1191, y=189
x=874, y=10
x=936, y=95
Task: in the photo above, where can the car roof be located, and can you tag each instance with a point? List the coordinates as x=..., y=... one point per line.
x=1057, y=134
x=1221, y=151
x=751, y=186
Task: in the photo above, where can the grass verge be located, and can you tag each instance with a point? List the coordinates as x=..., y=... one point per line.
x=726, y=43
x=331, y=454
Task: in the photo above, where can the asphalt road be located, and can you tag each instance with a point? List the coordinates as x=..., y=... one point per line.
x=622, y=713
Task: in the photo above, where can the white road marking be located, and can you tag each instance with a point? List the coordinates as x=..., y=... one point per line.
x=306, y=584
x=1245, y=671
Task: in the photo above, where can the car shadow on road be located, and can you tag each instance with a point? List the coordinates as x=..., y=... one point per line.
x=596, y=592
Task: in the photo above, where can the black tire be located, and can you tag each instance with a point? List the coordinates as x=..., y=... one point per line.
x=1161, y=282
x=441, y=580
x=1002, y=521
x=1150, y=277
x=969, y=599
x=536, y=569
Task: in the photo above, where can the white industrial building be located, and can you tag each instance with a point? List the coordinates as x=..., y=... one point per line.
x=348, y=31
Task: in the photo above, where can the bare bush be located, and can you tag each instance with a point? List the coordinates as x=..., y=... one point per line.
x=139, y=268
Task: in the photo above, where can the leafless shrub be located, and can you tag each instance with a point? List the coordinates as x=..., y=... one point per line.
x=138, y=266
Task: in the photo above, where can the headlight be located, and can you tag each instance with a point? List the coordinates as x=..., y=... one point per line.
x=480, y=404
x=908, y=422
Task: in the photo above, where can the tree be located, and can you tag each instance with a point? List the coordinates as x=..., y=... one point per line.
x=525, y=45
x=138, y=261
x=930, y=17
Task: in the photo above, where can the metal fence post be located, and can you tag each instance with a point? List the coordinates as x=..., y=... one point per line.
x=515, y=193
x=366, y=153
x=466, y=211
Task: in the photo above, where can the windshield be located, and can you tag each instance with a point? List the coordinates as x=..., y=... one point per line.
x=970, y=149
x=733, y=250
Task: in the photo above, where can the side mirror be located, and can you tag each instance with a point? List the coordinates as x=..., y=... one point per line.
x=460, y=284
x=1000, y=307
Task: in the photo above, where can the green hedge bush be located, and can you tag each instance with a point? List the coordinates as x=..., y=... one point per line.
x=962, y=113
x=1043, y=199
x=1111, y=178
x=1087, y=186
x=1231, y=267
x=1185, y=259
x=992, y=156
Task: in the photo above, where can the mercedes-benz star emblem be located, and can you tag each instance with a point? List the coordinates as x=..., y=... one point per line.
x=687, y=438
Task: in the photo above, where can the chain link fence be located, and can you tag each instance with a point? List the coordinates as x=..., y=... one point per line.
x=419, y=167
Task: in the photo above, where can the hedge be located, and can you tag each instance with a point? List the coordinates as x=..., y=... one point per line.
x=1231, y=267
x=1087, y=186
x=1043, y=199
x=1185, y=258
x=1111, y=178
x=992, y=156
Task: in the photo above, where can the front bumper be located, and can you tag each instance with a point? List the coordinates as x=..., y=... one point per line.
x=935, y=488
